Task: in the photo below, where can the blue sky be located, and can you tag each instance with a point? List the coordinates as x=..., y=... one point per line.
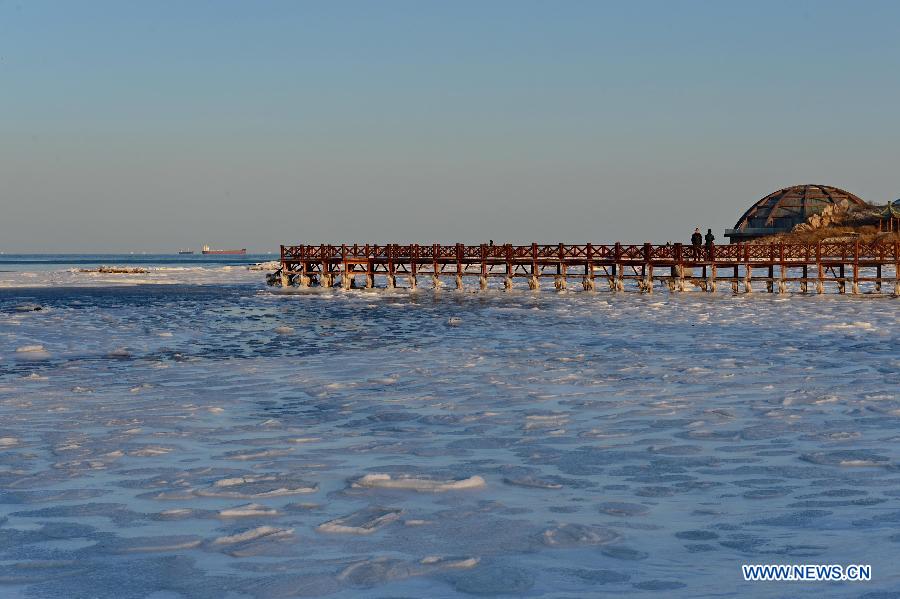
x=144, y=126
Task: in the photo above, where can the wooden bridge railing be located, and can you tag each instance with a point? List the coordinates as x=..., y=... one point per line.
x=304, y=264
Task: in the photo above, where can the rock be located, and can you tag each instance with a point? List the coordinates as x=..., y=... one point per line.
x=29, y=308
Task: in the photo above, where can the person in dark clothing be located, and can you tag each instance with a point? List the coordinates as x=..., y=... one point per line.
x=710, y=238
x=697, y=238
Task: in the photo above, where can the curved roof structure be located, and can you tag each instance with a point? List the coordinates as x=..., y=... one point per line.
x=782, y=210
x=892, y=210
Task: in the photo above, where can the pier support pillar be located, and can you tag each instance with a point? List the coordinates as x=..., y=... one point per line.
x=842, y=287
x=804, y=287
x=285, y=279
x=854, y=288
x=820, y=287
x=459, y=284
x=370, y=280
x=559, y=283
x=735, y=287
x=897, y=288
x=620, y=280
x=436, y=281
x=507, y=283
x=304, y=281
x=587, y=283
x=391, y=281
x=327, y=280
x=534, y=283
x=711, y=281
x=482, y=282
x=748, y=279
x=412, y=281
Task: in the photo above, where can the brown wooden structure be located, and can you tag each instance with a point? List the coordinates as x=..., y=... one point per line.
x=863, y=267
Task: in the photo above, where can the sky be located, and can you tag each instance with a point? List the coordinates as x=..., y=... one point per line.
x=128, y=125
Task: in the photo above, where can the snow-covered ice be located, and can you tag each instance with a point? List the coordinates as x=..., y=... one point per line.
x=226, y=441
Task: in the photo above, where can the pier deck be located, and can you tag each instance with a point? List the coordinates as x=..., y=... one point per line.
x=866, y=267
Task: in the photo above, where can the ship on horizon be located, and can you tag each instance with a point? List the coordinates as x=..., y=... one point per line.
x=183, y=252
x=206, y=250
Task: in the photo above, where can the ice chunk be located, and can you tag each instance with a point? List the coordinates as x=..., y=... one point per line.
x=379, y=570
x=31, y=349
x=362, y=522
x=576, y=535
x=150, y=544
x=425, y=485
x=254, y=534
x=248, y=487
x=247, y=510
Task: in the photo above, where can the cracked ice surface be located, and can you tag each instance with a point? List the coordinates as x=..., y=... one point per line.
x=231, y=442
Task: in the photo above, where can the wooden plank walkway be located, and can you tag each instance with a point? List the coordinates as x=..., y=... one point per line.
x=873, y=266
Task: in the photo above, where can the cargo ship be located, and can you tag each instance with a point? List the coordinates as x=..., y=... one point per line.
x=184, y=252
x=239, y=252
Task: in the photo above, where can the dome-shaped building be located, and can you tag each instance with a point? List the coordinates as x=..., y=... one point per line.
x=781, y=211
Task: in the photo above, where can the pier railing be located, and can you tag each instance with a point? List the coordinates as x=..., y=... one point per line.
x=674, y=265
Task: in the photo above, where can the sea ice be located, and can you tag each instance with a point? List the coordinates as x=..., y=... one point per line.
x=386, y=481
x=362, y=522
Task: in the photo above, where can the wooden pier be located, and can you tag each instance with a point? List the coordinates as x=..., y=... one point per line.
x=844, y=266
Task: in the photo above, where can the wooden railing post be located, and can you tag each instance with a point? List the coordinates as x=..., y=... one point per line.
x=678, y=274
x=413, y=266
x=820, y=270
x=435, y=267
x=647, y=268
x=534, y=283
x=304, y=267
x=897, y=268
x=391, y=277
x=782, y=286
x=588, y=282
x=508, y=281
x=482, y=280
x=618, y=282
x=285, y=276
x=346, y=277
x=459, y=260
x=560, y=280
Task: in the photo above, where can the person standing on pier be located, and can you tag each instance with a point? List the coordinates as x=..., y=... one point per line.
x=710, y=238
x=697, y=238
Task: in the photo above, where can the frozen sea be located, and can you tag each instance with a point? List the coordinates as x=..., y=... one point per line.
x=208, y=437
